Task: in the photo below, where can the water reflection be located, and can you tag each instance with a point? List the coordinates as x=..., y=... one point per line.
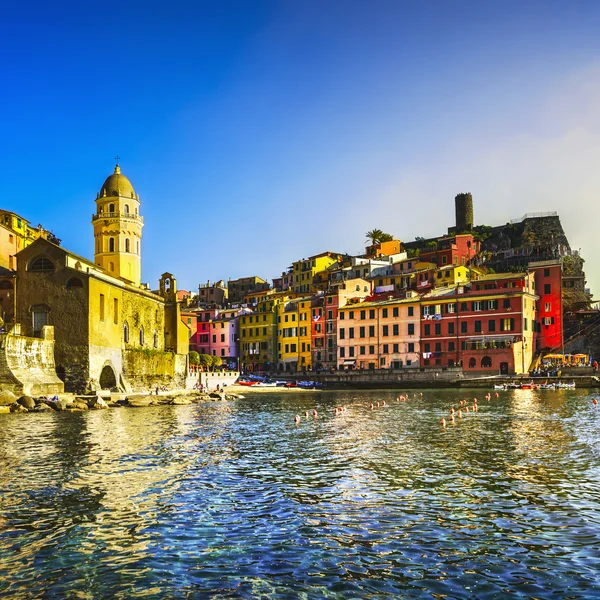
x=234, y=500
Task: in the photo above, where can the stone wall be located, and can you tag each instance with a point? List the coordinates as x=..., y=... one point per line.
x=145, y=369
x=385, y=378
x=27, y=364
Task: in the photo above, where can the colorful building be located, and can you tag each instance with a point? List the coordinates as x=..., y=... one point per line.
x=294, y=333
x=487, y=326
x=380, y=334
x=258, y=330
x=304, y=271
x=548, y=287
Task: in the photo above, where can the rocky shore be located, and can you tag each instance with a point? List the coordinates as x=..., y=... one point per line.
x=10, y=403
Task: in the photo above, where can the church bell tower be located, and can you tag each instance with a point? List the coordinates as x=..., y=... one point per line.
x=118, y=229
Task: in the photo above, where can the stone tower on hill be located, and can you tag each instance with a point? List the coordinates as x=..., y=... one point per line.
x=464, y=212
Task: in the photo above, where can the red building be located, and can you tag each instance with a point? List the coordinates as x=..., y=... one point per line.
x=457, y=250
x=485, y=326
x=548, y=288
x=200, y=340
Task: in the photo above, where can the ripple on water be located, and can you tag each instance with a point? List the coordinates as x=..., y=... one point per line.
x=197, y=500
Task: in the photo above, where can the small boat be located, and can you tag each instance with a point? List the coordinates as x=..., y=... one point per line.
x=261, y=384
x=247, y=382
x=565, y=386
x=500, y=387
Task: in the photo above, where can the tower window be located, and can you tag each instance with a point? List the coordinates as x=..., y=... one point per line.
x=111, y=208
x=126, y=209
x=111, y=244
x=127, y=245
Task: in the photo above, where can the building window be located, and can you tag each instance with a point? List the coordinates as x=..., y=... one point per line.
x=351, y=332
x=477, y=326
x=126, y=244
x=362, y=350
x=395, y=311
x=547, y=288
x=438, y=329
x=463, y=327
x=546, y=272
x=395, y=329
x=371, y=330
x=102, y=307
x=548, y=306
x=74, y=282
x=506, y=303
x=486, y=362
x=384, y=313
x=111, y=244
x=141, y=336
x=491, y=325
x=450, y=328
x=427, y=329
x=385, y=349
x=126, y=209
x=41, y=265
x=385, y=330
x=507, y=324
x=125, y=333
x=372, y=349
x=342, y=333
x=411, y=311
x=472, y=363
x=411, y=329
x=411, y=347
x=361, y=332
x=342, y=352
x=451, y=347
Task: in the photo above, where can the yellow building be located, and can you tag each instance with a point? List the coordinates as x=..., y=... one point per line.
x=15, y=234
x=110, y=331
x=451, y=275
x=305, y=270
x=258, y=330
x=118, y=229
x=294, y=335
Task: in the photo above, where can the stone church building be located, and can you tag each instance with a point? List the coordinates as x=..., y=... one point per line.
x=110, y=330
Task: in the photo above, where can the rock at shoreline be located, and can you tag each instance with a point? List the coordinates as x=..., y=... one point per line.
x=78, y=404
x=17, y=408
x=26, y=402
x=42, y=407
x=141, y=401
x=181, y=401
x=7, y=398
x=4, y=409
x=97, y=404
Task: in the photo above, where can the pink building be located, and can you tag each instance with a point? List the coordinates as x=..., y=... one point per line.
x=381, y=334
x=224, y=335
x=200, y=341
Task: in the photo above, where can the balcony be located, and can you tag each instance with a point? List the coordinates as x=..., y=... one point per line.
x=118, y=215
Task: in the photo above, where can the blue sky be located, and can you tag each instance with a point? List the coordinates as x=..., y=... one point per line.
x=258, y=133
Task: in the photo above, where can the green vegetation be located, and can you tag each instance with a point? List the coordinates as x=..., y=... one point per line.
x=376, y=236
x=194, y=358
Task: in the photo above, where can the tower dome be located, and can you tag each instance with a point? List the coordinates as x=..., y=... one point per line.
x=117, y=185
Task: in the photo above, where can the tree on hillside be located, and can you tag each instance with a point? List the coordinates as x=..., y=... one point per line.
x=376, y=236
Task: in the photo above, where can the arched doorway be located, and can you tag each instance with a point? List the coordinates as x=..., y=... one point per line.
x=108, y=378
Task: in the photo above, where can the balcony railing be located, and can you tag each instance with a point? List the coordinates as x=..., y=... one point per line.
x=118, y=215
